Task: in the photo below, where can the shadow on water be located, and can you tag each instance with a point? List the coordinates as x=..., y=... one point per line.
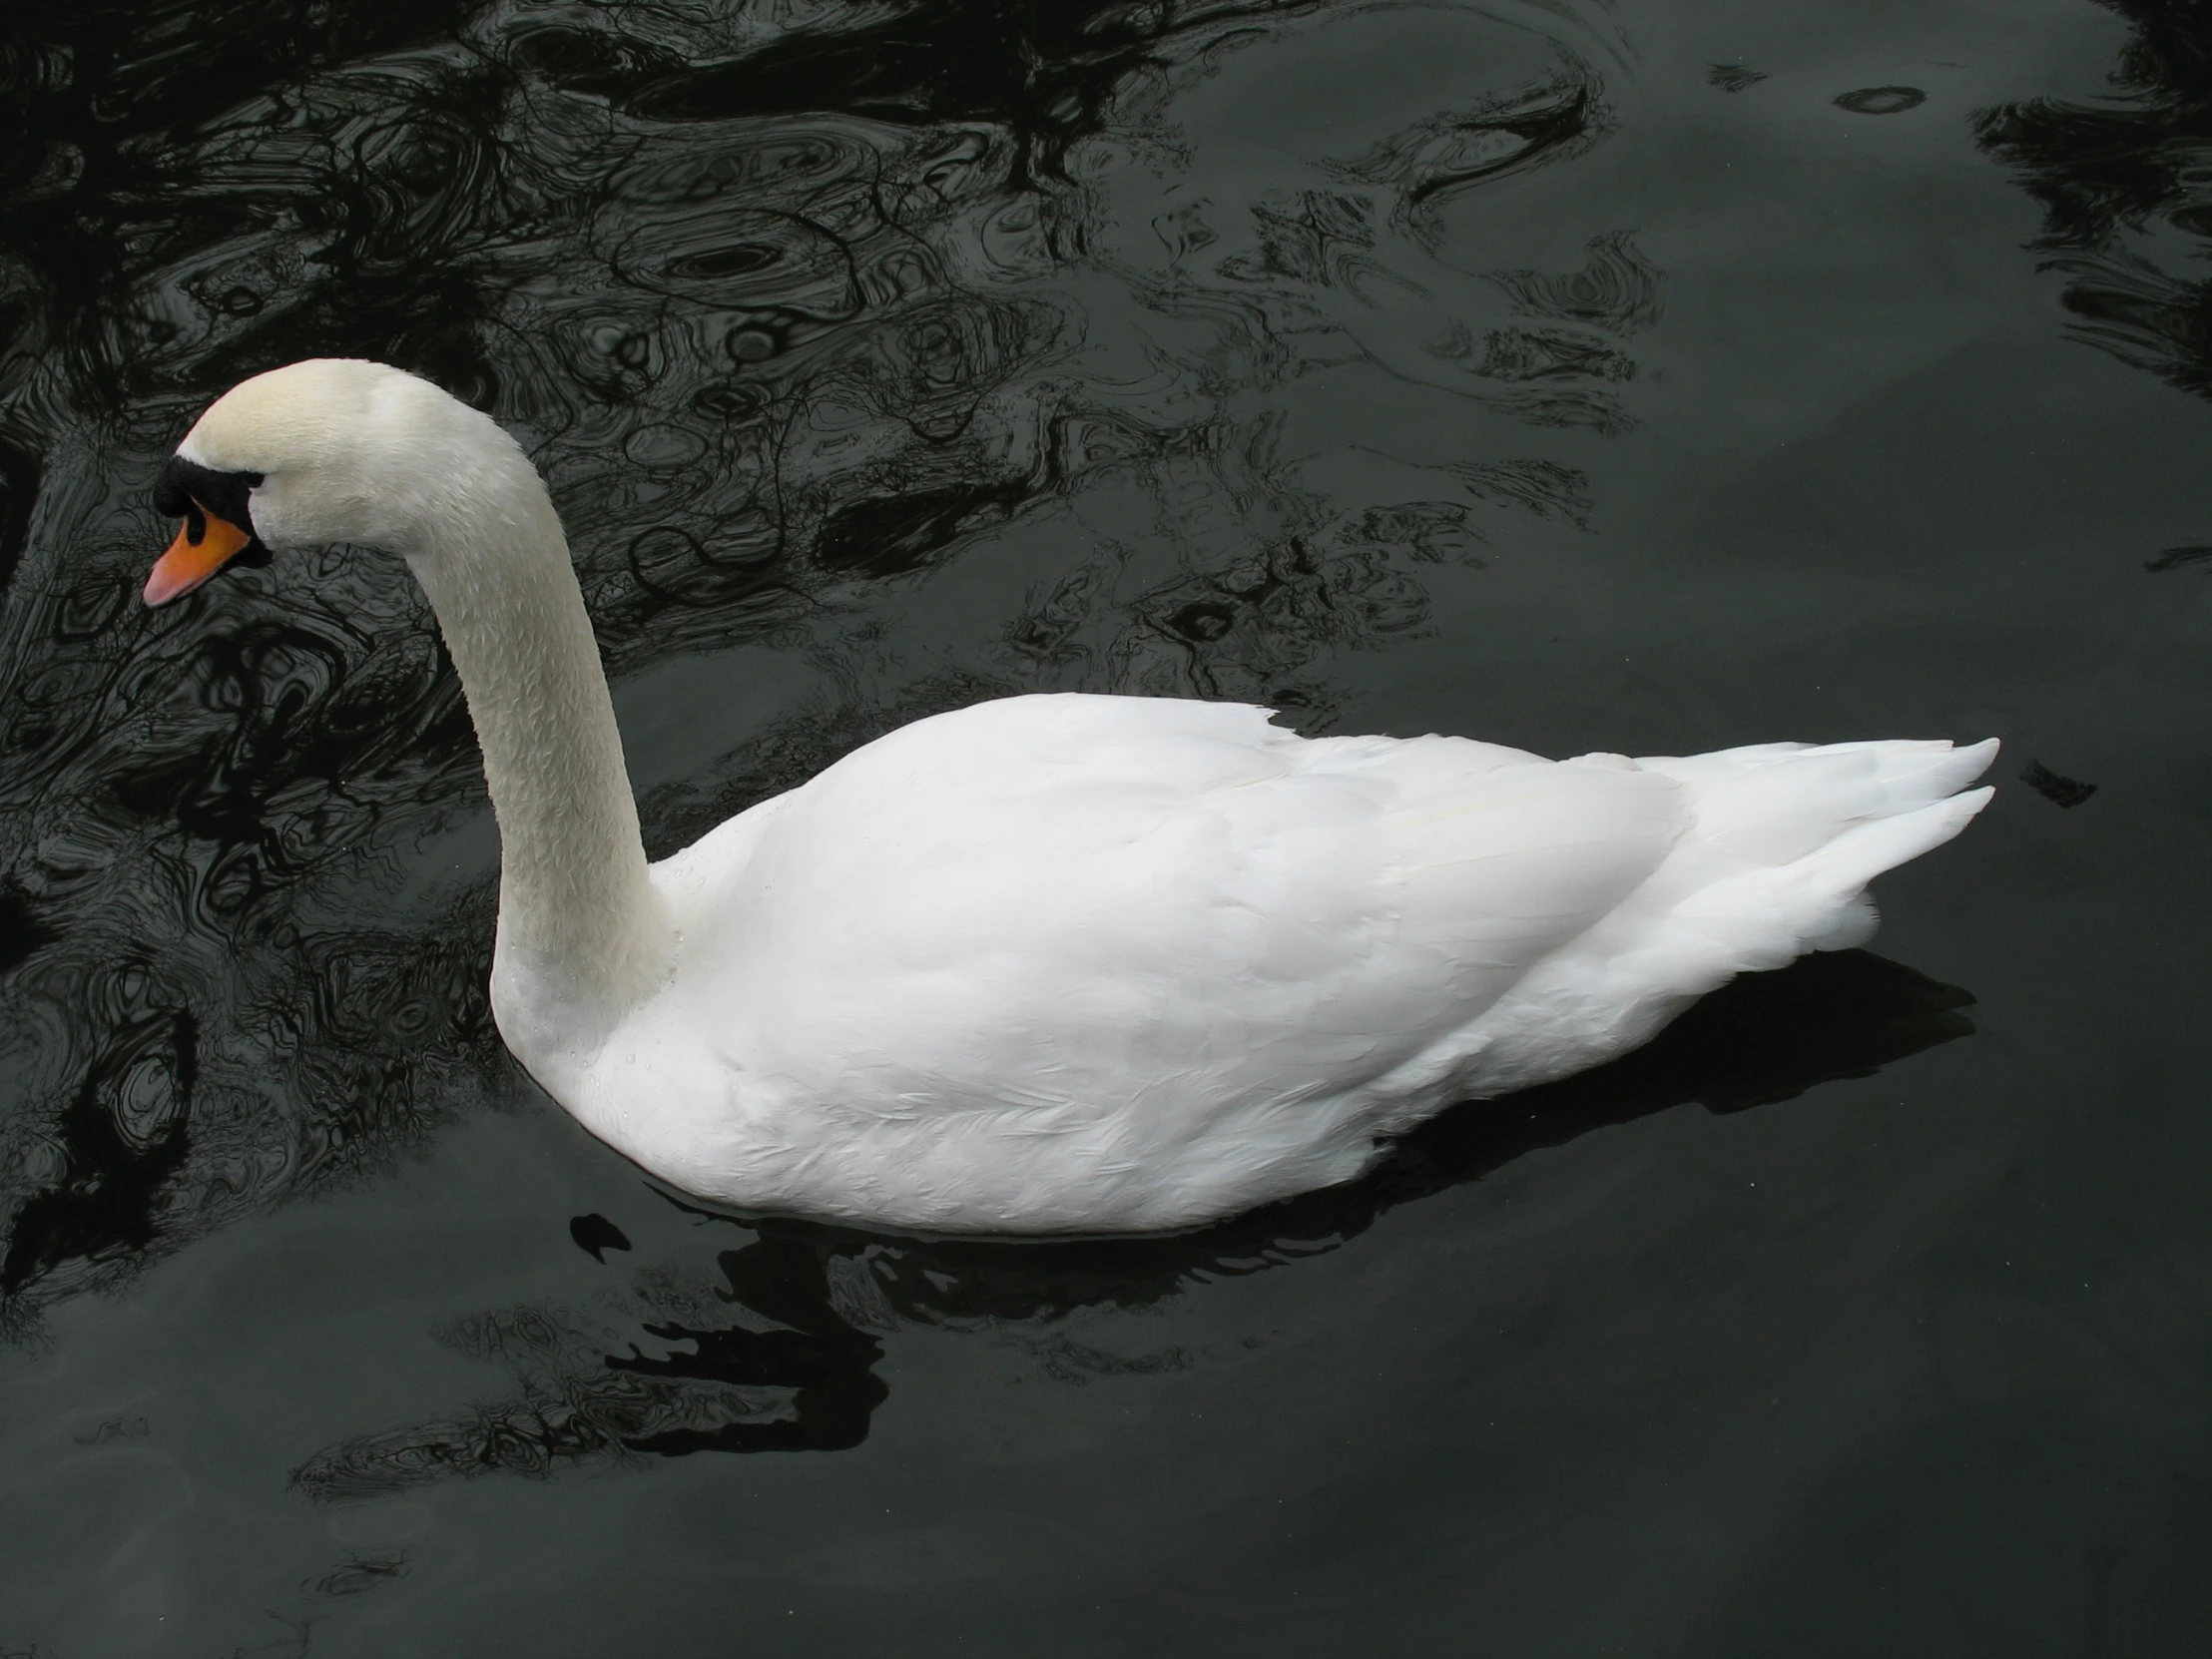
x=795, y=314
x=780, y=1354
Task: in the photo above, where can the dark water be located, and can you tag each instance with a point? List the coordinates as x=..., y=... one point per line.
x=1649, y=377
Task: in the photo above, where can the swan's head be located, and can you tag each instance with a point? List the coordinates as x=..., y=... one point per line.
x=328, y=450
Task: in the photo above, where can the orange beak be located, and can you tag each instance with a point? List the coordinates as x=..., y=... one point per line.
x=205, y=544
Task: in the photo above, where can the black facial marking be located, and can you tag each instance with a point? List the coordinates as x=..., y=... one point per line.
x=188, y=490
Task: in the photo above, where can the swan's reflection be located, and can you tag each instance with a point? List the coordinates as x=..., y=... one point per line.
x=777, y=1351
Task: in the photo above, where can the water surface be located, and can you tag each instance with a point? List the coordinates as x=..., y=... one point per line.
x=1644, y=377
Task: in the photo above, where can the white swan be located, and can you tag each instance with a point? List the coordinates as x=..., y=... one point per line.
x=1053, y=963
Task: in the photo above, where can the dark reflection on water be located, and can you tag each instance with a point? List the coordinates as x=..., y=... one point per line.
x=789, y=315
x=802, y=1378
x=2109, y=175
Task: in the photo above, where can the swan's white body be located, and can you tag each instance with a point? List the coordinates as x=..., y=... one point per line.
x=1058, y=963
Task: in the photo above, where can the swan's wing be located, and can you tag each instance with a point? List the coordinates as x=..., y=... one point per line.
x=1067, y=907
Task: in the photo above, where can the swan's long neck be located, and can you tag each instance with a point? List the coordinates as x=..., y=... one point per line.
x=580, y=934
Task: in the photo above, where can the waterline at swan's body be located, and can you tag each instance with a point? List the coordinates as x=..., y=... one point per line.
x=1050, y=964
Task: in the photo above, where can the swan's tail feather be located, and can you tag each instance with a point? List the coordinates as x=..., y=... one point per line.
x=1769, y=805
x=1773, y=858
x=1783, y=841
x=1819, y=901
